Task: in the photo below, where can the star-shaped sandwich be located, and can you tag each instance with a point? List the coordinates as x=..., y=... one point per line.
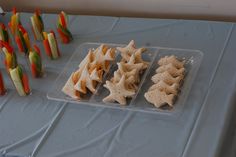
x=96, y=75
x=87, y=59
x=138, y=58
x=118, y=92
x=102, y=57
x=69, y=87
x=129, y=79
x=85, y=81
x=123, y=69
x=129, y=70
x=132, y=64
x=128, y=50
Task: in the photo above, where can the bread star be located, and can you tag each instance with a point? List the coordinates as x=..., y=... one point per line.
x=139, y=59
x=76, y=75
x=167, y=78
x=88, y=59
x=129, y=80
x=171, y=69
x=102, y=56
x=171, y=59
x=110, y=54
x=101, y=49
x=118, y=75
x=85, y=81
x=159, y=98
x=118, y=92
x=131, y=64
x=124, y=71
x=68, y=88
x=127, y=51
x=96, y=75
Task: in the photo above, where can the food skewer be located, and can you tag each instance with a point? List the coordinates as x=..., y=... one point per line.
x=10, y=60
x=62, y=28
x=15, y=21
x=36, y=62
x=22, y=40
x=50, y=45
x=37, y=25
x=20, y=80
x=18, y=77
x=4, y=36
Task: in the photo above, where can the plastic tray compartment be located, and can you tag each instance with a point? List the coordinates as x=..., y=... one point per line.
x=95, y=99
x=192, y=59
x=137, y=102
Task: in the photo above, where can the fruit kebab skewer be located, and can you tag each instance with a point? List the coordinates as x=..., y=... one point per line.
x=62, y=28
x=4, y=36
x=37, y=25
x=50, y=45
x=35, y=62
x=22, y=40
x=18, y=77
x=14, y=22
x=2, y=87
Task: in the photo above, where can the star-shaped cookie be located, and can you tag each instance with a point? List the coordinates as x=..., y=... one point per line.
x=118, y=92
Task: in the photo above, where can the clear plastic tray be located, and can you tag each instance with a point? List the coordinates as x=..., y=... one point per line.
x=137, y=102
